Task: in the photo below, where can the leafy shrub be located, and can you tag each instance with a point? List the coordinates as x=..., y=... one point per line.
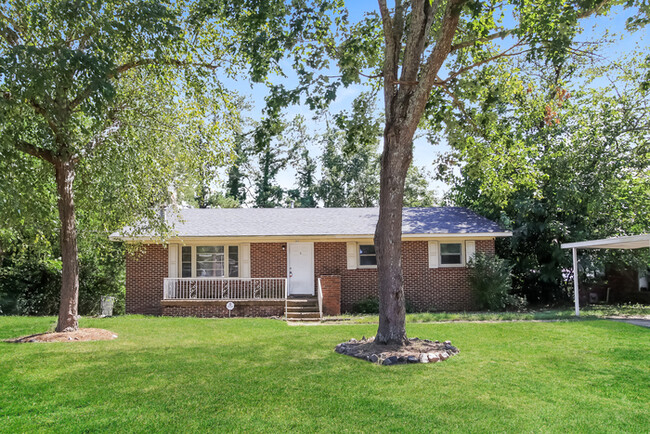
x=99, y=276
x=368, y=305
x=30, y=281
x=30, y=287
x=491, y=282
x=516, y=302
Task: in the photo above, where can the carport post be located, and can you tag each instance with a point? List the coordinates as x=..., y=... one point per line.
x=576, y=292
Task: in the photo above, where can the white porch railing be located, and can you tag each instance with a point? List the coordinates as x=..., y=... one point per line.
x=320, y=299
x=221, y=288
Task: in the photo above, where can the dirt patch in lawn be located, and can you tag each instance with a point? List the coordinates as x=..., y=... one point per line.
x=81, y=335
x=416, y=351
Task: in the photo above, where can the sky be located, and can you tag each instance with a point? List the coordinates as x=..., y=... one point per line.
x=424, y=153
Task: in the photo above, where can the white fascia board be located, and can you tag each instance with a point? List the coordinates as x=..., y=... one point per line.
x=308, y=237
x=627, y=242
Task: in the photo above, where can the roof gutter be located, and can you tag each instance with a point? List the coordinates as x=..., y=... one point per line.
x=316, y=236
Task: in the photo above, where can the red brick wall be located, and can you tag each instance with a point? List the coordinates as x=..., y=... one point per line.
x=331, y=286
x=331, y=259
x=269, y=260
x=145, y=273
x=217, y=309
x=425, y=288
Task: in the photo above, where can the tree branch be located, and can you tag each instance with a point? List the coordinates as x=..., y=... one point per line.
x=498, y=35
x=169, y=62
x=386, y=20
x=504, y=33
x=504, y=53
x=594, y=10
x=457, y=103
x=391, y=51
x=371, y=77
x=28, y=148
x=50, y=122
x=99, y=139
x=135, y=64
x=7, y=33
x=438, y=56
x=420, y=21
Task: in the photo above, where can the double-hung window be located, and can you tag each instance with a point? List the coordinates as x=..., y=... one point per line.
x=233, y=261
x=367, y=255
x=451, y=254
x=210, y=261
x=186, y=261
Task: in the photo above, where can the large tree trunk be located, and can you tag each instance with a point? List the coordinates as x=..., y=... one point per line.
x=65, y=174
x=406, y=37
x=396, y=159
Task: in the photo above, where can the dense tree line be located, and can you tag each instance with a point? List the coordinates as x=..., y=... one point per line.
x=338, y=168
x=567, y=159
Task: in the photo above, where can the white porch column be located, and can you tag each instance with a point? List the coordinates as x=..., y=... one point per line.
x=576, y=292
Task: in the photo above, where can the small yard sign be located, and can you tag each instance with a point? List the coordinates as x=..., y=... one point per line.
x=230, y=306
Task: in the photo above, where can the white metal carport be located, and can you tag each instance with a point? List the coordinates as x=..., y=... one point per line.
x=629, y=242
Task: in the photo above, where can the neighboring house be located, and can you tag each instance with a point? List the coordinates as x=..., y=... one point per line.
x=319, y=257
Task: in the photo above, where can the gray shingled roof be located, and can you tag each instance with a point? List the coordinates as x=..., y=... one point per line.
x=324, y=221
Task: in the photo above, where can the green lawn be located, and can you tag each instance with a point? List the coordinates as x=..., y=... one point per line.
x=590, y=312
x=186, y=374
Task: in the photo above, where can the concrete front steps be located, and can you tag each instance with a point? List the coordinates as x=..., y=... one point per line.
x=302, y=309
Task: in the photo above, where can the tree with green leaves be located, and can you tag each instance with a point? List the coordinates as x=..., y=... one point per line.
x=428, y=46
x=91, y=89
x=350, y=158
x=350, y=178
x=235, y=184
x=563, y=162
x=417, y=192
x=351, y=161
x=268, y=194
x=306, y=191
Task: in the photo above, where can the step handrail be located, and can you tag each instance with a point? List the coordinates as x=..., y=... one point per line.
x=320, y=299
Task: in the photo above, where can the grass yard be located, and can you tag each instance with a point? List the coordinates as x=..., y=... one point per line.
x=187, y=374
x=590, y=312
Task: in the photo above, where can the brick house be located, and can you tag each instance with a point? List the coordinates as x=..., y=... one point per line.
x=301, y=262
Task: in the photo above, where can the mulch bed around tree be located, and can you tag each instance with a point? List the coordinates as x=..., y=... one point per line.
x=81, y=335
x=416, y=351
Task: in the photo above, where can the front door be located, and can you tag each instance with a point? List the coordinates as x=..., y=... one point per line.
x=300, y=264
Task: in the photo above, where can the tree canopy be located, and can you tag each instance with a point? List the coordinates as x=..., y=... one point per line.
x=561, y=164
x=111, y=97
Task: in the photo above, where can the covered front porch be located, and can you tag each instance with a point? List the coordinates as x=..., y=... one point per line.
x=224, y=288
x=211, y=297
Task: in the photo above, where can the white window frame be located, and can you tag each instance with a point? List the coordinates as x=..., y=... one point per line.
x=226, y=260
x=462, y=254
x=359, y=256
